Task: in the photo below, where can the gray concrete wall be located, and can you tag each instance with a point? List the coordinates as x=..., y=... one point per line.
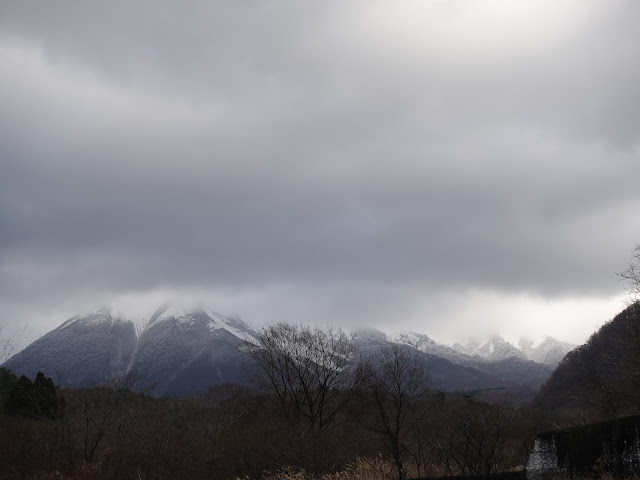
x=543, y=459
x=612, y=447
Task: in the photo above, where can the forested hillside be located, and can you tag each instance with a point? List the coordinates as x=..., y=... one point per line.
x=603, y=375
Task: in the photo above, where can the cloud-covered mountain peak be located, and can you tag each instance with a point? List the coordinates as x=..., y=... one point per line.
x=101, y=315
x=174, y=311
x=549, y=352
x=364, y=334
x=413, y=338
x=497, y=348
x=189, y=316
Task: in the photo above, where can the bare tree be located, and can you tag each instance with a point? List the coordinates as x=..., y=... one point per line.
x=6, y=346
x=632, y=275
x=11, y=345
x=305, y=368
x=475, y=438
x=396, y=383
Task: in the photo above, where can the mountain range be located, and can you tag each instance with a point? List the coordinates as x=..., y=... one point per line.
x=180, y=351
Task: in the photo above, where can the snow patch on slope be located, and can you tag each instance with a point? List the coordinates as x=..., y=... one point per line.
x=183, y=314
x=235, y=326
x=188, y=314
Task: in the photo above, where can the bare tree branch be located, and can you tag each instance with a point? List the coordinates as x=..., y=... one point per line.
x=305, y=368
x=396, y=381
x=632, y=275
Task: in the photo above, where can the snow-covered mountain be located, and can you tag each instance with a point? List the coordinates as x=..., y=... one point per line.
x=495, y=362
x=175, y=351
x=179, y=350
x=187, y=351
x=83, y=350
x=548, y=352
x=494, y=349
x=427, y=345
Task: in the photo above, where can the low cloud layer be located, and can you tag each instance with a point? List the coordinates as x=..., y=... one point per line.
x=355, y=163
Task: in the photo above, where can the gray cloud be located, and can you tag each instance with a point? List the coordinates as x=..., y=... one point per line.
x=360, y=156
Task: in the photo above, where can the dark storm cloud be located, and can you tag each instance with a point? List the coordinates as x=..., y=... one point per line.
x=365, y=145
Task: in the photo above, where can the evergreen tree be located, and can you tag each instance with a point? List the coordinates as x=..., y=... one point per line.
x=7, y=382
x=37, y=399
x=45, y=397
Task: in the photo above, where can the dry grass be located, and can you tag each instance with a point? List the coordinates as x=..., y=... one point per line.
x=360, y=469
x=365, y=469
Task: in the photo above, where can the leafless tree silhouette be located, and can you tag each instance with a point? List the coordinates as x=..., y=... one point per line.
x=396, y=382
x=305, y=368
x=632, y=275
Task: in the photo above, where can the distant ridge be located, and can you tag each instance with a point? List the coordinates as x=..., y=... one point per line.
x=181, y=350
x=549, y=352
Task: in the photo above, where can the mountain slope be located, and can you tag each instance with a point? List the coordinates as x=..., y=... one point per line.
x=186, y=352
x=84, y=350
x=550, y=352
x=610, y=358
x=176, y=352
x=451, y=370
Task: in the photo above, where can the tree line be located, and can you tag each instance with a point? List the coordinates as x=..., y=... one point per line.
x=316, y=405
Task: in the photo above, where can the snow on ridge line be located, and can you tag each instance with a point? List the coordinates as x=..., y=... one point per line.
x=95, y=316
x=182, y=313
x=218, y=322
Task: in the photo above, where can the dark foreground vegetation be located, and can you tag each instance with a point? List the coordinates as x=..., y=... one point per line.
x=311, y=409
x=311, y=412
x=230, y=432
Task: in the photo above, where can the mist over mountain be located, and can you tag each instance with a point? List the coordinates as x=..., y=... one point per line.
x=181, y=350
x=548, y=352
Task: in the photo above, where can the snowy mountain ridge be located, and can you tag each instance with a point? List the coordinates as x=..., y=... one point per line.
x=181, y=350
x=549, y=352
x=184, y=314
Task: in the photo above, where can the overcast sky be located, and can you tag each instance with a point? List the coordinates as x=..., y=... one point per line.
x=453, y=167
